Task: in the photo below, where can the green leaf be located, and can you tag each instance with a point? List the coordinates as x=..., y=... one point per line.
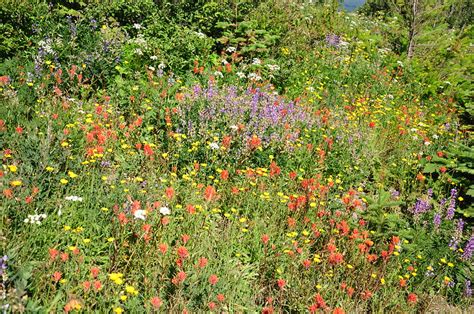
x=430, y=168
x=223, y=24
x=468, y=212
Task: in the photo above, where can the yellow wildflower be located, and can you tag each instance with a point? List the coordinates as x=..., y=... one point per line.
x=72, y=174
x=131, y=290
x=16, y=183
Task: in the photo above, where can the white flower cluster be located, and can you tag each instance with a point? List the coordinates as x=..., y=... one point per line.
x=139, y=40
x=35, y=219
x=384, y=51
x=138, y=52
x=46, y=45
x=214, y=145
x=165, y=211
x=273, y=67
x=343, y=44
x=231, y=49
x=200, y=35
x=73, y=198
x=140, y=214
x=254, y=77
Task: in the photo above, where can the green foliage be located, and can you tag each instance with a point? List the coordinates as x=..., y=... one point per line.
x=17, y=23
x=163, y=40
x=459, y=164
x=442, y=36
x=246, y=38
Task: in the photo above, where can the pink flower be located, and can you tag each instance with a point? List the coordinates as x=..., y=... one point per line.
x=213, y=279
x=281, y=283
x=156, y=302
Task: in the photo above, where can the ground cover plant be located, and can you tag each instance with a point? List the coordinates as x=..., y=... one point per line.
x=169, y=157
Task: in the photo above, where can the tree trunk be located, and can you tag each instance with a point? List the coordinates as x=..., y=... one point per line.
x=412, y=32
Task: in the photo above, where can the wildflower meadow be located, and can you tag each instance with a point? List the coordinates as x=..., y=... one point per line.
x=235, y=157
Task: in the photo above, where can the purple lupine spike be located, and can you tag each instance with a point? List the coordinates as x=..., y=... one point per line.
x=437, y=220
x=105, y=164
x=394, y=194
x=453, y=244
x=421, y=206
x=467, y=289
x=442, y=202
x=3, y=264
x=468, y=249
x=452, y=205
x=72, y=26
x=196, y=90
x=460, y=226
x=263, y=113
x=333, y=40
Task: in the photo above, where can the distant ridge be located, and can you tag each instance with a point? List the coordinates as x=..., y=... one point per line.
x=351, y=5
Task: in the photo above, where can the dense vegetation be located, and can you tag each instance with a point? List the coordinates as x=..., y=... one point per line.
x=224, y=156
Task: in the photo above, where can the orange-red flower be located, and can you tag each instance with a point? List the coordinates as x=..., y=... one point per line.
x=412, y=298
x=147, y=150
x=53, y=253
x=163, y=248
x=338, y=310
x=95, y=272
x=97, y=285
x=254, y=142
x=86, y=285
x=179, y=278
x=182, y=252
x=57, y=276
x=367, y=294
x=274, y=169
x=210, y=193
x=336, y=258
x=224, y=175
x=169, y=192
x=202, y=262
x=281, y=283
x=213, y=279
x=156, y=302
